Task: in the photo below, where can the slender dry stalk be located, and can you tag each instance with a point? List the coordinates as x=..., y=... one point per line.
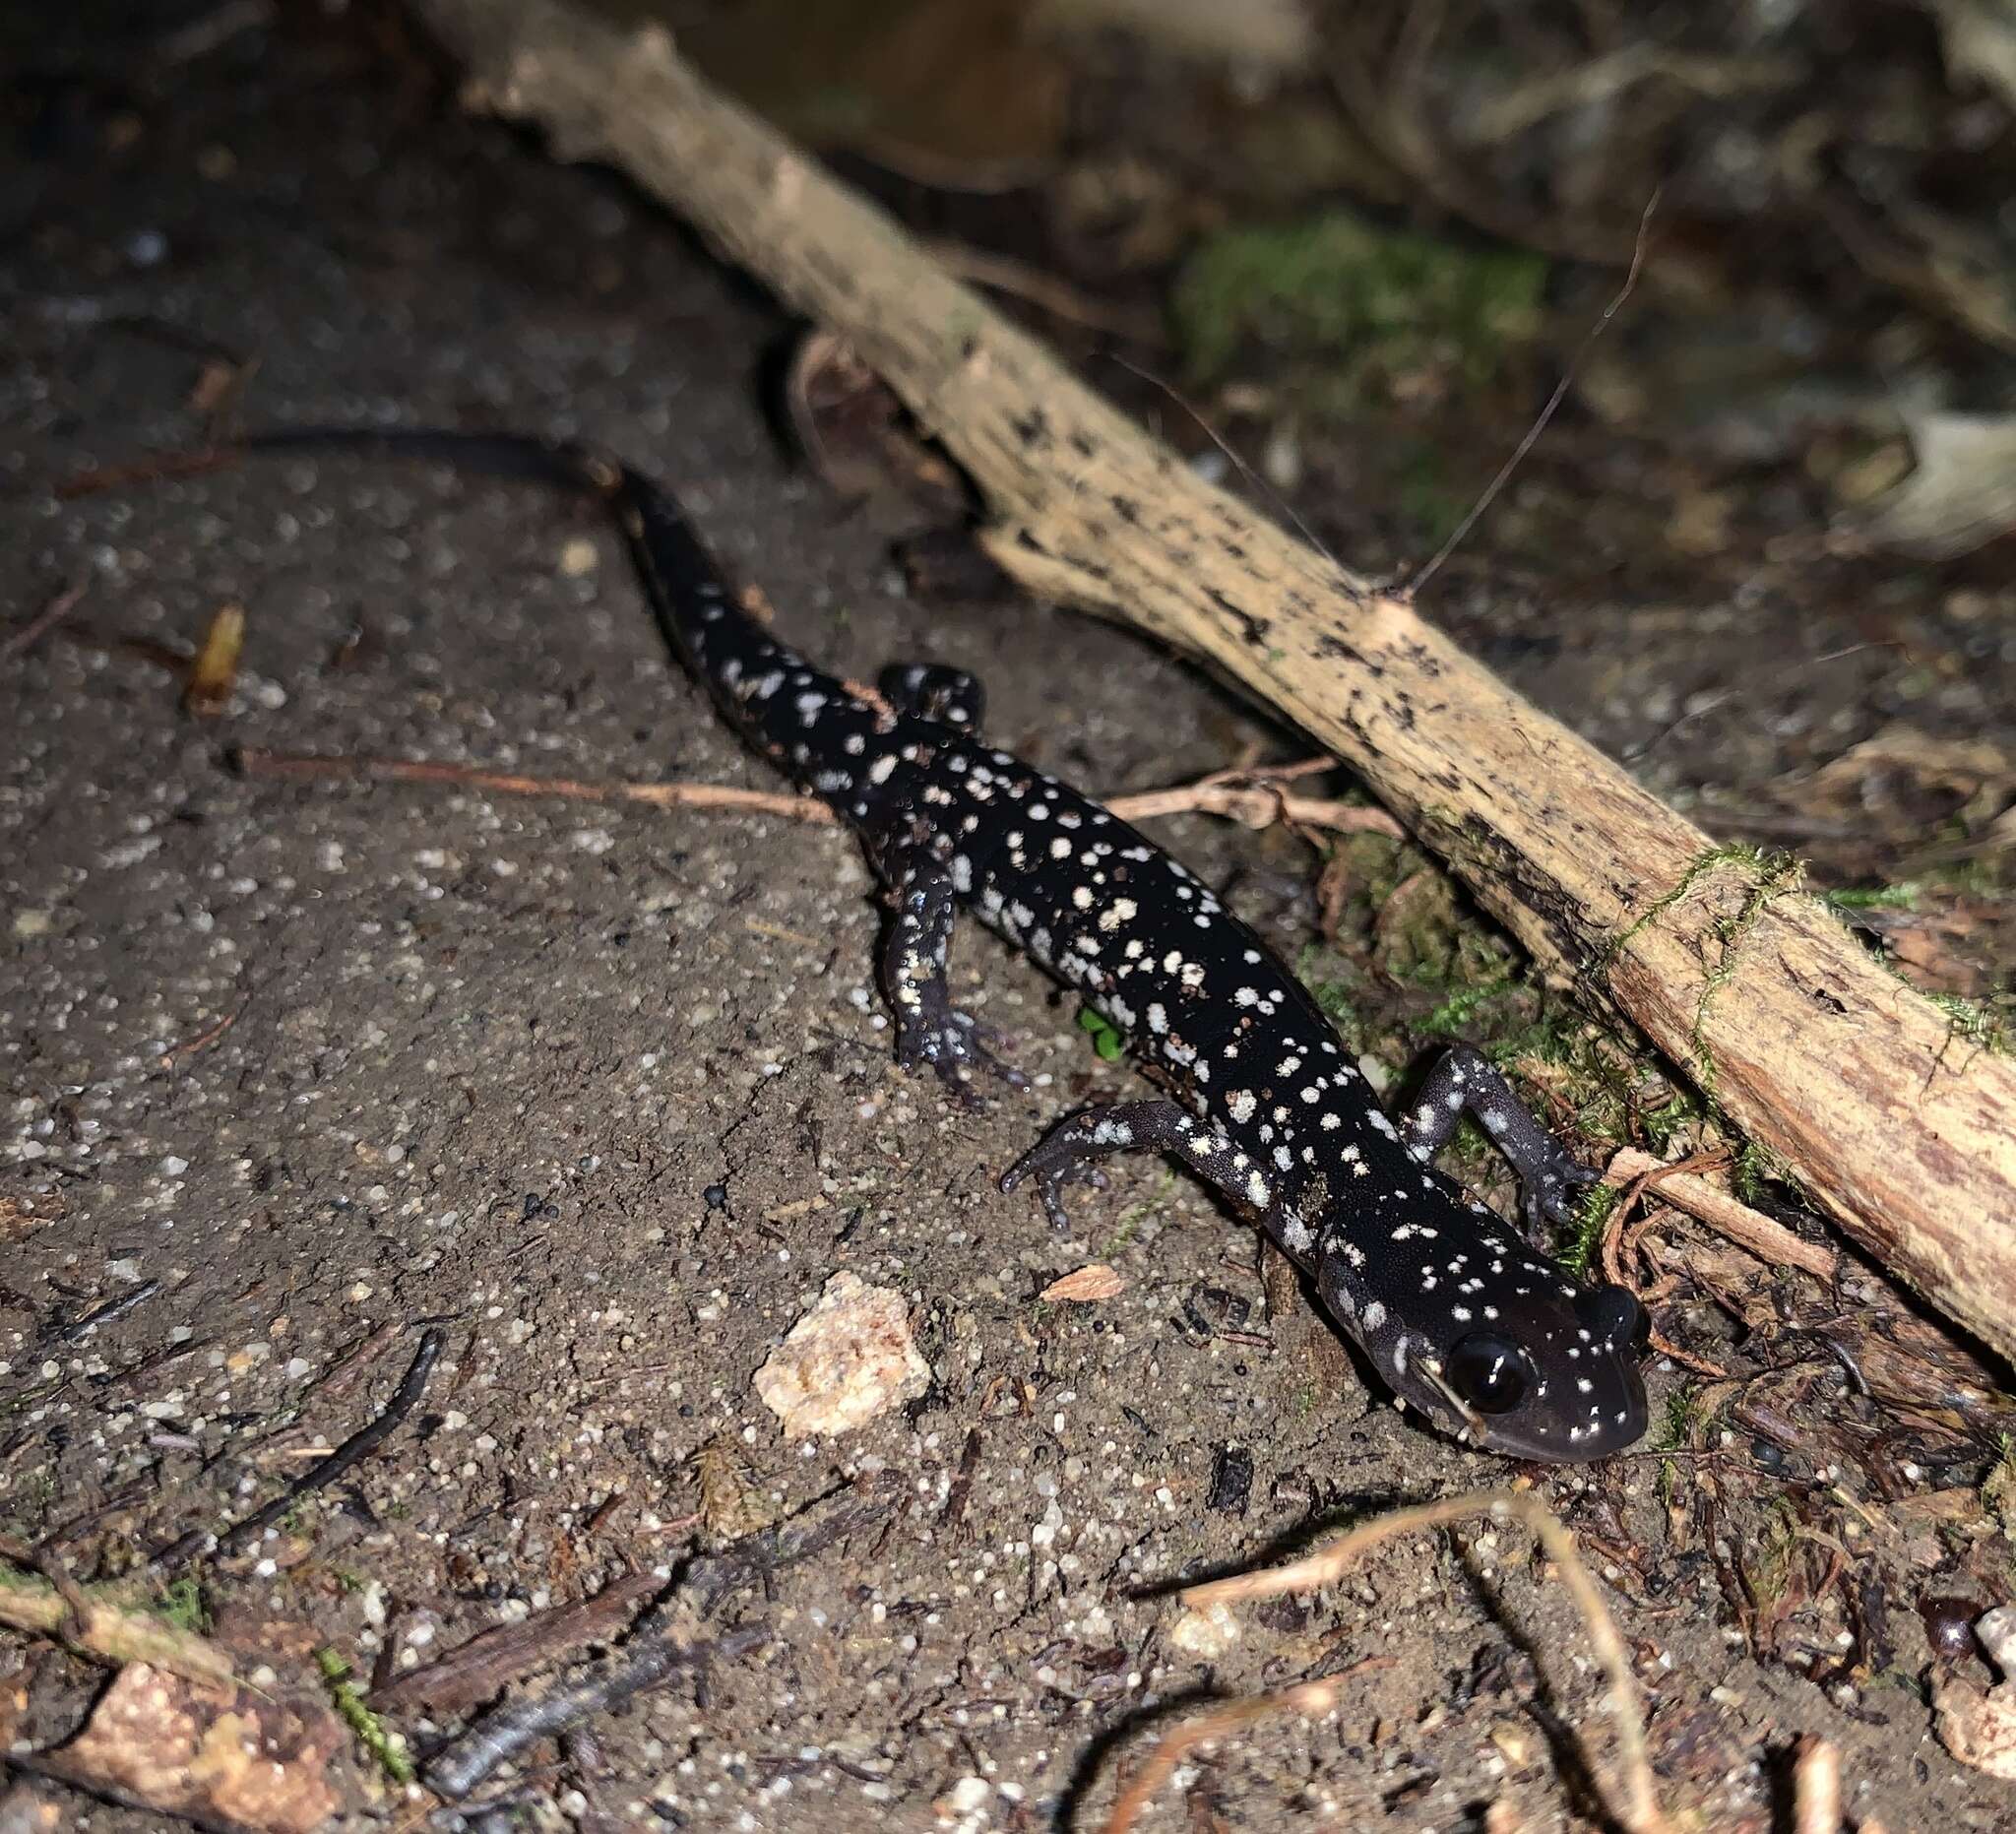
x=1633, y=1797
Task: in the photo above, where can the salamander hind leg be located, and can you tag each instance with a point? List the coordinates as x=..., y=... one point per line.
x=1068, y=1153
x=929, y=1029
x=1463, y=1082
x=935, y=691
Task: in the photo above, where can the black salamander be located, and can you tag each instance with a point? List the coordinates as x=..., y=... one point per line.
x=1466, y=1318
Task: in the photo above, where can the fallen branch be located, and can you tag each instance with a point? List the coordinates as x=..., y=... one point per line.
x=109, y=1630
x=1807, y=1045
x=1636, y=1797
x=1251, y=796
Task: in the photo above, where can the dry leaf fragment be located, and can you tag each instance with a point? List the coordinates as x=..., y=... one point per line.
x=1086, y=1285
x=213, y=674
x=957, y=94
x=1961, y=496
x=19, y=1220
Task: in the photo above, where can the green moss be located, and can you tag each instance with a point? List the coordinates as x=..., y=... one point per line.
x=181, y=1604
x=1329, y=977
x=1739, y=854
x=1676, y=1432
x=1766, y=1565
x=1983, y=1024
x=1457, y=1011
x=1999, y=1488
x=1902, y=896
x=365, y=1726
x=1586, y=1231
x=1981, y=877
x=1682, y=1416
x=1106, y=1041
x=1354, y=298
x=1772, y=875
x=1755, y=1166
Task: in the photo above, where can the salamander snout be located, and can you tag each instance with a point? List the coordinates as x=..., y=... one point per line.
x=1525, y=1360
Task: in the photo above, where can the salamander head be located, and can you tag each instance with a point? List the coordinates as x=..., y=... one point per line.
x=1491, y=1340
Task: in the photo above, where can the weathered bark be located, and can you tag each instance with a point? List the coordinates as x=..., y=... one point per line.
x=1905, y=1134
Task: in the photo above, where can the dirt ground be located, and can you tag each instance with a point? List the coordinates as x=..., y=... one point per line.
x=605, y=1094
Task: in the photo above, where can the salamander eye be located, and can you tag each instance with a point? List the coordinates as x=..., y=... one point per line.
x=1490, y=1372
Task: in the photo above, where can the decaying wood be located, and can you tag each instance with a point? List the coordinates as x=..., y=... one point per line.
x=111, y=1629
x=1905, y=1134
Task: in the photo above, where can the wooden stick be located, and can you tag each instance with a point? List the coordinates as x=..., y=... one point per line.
x=110, y=1631
x=1904, y=1135
x=1765, y=1237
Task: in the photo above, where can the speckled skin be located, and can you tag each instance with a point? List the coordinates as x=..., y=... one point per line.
x=1463, y=1318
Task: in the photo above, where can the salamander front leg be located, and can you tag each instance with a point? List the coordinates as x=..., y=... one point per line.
x=929, y=1029
x=1069, y=1151
x=1463, y=1081
x=935, y=691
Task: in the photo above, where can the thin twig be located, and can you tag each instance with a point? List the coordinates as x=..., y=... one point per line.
x=15, y=643
x=203, y=1039
x=1638, y=1808
x=1003, y=273
x=150, y=470
x=353, y=1451
x=255, y=762
x=358, y=1447
x=490, y=1661
x=1232, y=453
x=1312, y=1699
x=348, y=1370
x=1547, y=413
x=1769, y=1241
x=1246, y=796
x=111, y=1309
x=664, y=1640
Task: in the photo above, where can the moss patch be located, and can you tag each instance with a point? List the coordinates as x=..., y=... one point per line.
x=1354, y=299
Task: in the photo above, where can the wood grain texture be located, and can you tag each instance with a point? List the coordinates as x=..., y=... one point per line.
x=1904, y=1133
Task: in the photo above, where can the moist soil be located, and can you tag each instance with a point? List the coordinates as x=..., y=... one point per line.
x=605, y=1093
